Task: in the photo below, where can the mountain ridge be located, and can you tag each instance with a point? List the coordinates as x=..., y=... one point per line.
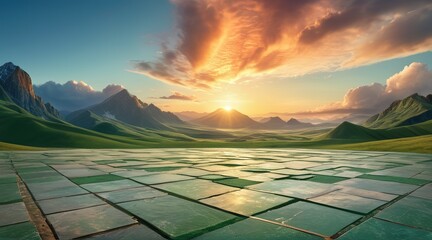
x=18, y=85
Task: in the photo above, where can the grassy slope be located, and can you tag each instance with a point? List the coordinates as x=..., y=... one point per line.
x=351, y=131
x=9, y=146
x=110, y=126
x=19, y=127
x=399, y=112
x=422, y=144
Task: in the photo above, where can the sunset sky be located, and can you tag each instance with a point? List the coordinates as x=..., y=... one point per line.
x=262, y=57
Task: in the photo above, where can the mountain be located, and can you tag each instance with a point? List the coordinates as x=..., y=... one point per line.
x=350, y=131
x=189, y=115
x=411, y=110
x=129, y=109
x=296, y=124
x=17, y=84
x=222, y=118
x=273, y=123
x=17, y=126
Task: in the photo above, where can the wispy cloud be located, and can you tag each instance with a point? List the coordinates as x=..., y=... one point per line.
x=179, y=96
x=224, y=41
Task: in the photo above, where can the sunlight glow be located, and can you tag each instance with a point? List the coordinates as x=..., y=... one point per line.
x=228, y=108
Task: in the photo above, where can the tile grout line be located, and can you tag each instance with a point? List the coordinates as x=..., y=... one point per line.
x=35, y=214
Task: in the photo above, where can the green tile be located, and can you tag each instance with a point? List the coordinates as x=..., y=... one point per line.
x=195, y=189
x=412, y=181
x=111, y=186
x=161, y=169
x=131, y=194
x=379, y=186
x=96, y=179
x=134, y=232
x=293, y=188
x=383, y=230
x=236, y=182
x=214, y=177
x=327, y=179
x=251, y=229
x=13, y=213
x=348, y=202
x=61, y=188
x=177, y=217
x=87, y=221
x=312, y=217
x=410, y=211
x=69, y=203
x=9, y=193
x=21, y=231
x=80, y=172
x=246, y=202
x=423, y=192
x=161, y=178
x=8, y=179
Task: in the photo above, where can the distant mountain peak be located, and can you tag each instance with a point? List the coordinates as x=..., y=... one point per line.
x=221, y=118
x=293, y=121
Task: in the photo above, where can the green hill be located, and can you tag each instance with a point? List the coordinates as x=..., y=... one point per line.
x=352, y=131
x=17, y=126
x=92, y=121
x=411, y=110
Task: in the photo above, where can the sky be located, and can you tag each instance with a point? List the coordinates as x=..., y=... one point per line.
x=311, y=58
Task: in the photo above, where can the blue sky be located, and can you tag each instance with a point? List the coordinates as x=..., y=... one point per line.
x=95, y=41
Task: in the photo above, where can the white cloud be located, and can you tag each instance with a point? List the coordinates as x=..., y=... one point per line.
x=73, y=95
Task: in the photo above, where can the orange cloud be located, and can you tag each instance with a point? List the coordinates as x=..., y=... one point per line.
x=224, y=40
x=179, y=96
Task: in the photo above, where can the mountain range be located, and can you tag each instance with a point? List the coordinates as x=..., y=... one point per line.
x=126, y=108
x=123, y=121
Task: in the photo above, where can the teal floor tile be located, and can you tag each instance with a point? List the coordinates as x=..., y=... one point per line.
x=383, y=230
x=410, y=211
x=251, y=229
x=246, y=202
x=312, y=217
x=177, y=217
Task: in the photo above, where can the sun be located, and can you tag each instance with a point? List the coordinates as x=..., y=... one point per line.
x=228, y=108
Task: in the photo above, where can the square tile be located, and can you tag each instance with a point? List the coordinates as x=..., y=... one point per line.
x=252, y=229
x=246, y=202
x=87, y=221
x=63, y=204
x=293, y=188
x=195, y=189
x=177, y=217
x=379, y=186
x=110, y=186
x=131, y=194
x=348, y=202
x=312, y=217
x=133, y=232
x=410, y=211
x=161, y=178
x=383, y=230
x=13, y=213
x=20, y=231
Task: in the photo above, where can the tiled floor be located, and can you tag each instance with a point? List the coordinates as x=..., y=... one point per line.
x=218, y=194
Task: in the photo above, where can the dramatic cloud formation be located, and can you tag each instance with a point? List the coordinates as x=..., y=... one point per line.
x=415, y=78
x=73, y=95
x=179, y=96
x=224, y=40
